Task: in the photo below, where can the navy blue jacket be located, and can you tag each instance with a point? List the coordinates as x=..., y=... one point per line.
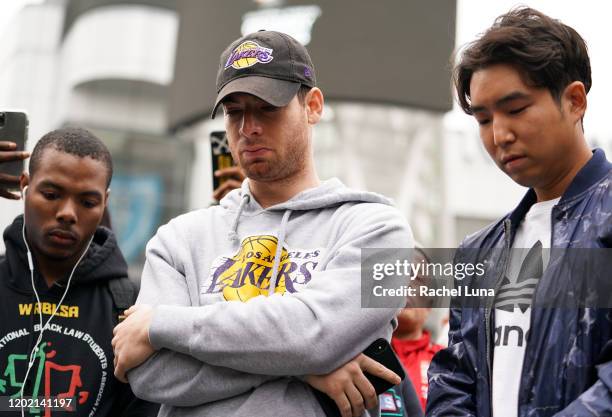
x=567, y=369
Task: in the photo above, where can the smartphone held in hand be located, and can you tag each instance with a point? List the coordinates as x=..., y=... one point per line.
x=221, y=156
x=13, y=128
x=380, y=351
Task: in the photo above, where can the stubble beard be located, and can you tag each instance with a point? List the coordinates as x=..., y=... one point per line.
x=280, y=168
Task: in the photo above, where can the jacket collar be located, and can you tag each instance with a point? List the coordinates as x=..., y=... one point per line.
x=595, y=169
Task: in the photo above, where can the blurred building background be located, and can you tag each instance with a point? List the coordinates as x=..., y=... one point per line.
x=141, y=74
x=108, y=66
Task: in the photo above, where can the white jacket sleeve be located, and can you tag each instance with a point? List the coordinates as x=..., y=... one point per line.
x=313, y=331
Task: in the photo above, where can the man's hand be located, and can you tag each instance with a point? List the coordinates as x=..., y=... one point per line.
x=8, y=154
x=349, y=387
x=233, y=179
x=131, y=340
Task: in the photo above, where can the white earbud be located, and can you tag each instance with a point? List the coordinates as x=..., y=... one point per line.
x=42, y=328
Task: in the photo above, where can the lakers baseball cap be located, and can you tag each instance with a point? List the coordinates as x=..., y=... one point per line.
x=267, y=64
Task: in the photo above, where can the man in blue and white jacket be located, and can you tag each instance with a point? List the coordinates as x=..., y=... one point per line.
x=525, y=81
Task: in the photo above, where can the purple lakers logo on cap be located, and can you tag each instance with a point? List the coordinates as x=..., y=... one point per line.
x=247, y=54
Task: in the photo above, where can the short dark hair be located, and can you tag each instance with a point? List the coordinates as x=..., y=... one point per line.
x=302, y=92
x=74, y=141
x=547, y=53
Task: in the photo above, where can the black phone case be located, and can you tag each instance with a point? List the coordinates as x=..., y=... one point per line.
x=13, y=128
x=221, y=156
x=382, y=352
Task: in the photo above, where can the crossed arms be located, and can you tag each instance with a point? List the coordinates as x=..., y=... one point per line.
x=207, y=353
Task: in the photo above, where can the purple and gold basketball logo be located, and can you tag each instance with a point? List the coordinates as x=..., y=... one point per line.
x=256, y=256
x=246, y=273
x=247, y=54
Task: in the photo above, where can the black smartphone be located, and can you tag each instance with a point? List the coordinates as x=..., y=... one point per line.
x=14, y=128
x=382, y=352
x=221, y=156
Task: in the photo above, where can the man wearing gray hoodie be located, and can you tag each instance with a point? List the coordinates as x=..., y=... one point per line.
x=239, y=302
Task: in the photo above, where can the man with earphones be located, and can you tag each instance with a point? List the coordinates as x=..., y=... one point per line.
x=63, y=281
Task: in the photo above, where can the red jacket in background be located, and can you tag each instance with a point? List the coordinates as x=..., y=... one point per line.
x=416, y=356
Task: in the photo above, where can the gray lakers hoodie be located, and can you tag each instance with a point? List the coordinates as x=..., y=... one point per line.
x=249, y=300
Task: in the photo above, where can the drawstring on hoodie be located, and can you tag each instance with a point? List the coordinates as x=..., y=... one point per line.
x=233, y=234
x=328, y=194
x=279, y=250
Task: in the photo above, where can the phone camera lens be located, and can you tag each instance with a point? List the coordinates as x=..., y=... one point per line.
x=2, y=119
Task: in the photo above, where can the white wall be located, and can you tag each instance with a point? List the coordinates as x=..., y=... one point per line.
x=112, y=60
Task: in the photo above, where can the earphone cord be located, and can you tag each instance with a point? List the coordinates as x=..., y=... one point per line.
x=42, y=328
